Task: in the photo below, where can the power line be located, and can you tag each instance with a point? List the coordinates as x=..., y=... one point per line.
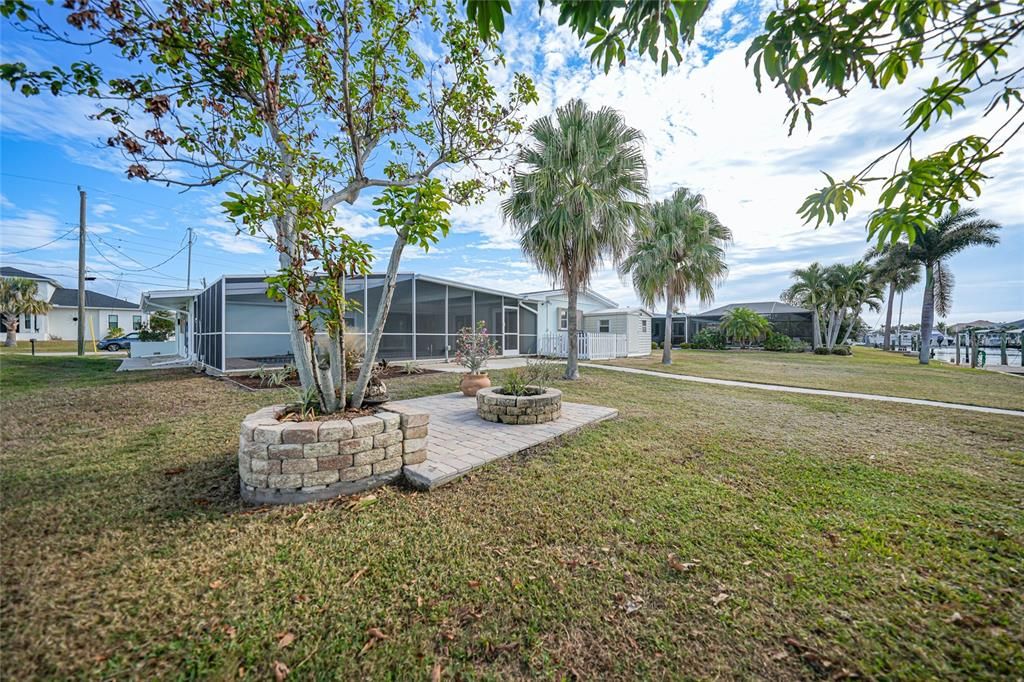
x=11, y=253
x=92, y=189
x=143, y=269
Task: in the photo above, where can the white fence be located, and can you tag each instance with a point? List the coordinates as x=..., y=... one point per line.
x=592, y=346
x=148, y=349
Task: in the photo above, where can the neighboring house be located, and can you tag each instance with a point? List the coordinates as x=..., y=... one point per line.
x=597, y=317
x=102, y=312
x=785, y=319
x=232, y=326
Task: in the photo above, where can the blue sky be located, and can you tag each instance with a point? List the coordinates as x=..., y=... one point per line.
x=706, y=127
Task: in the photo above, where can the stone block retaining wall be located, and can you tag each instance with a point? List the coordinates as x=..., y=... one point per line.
x=291, y=462
x=524, y=409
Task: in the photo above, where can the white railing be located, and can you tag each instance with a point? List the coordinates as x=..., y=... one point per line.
x=592, y=346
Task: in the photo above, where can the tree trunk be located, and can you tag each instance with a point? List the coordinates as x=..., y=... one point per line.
x=815, y=328
x=11, y=322
x=572, y=370
x=887, y=339
x=927, y=315
x=339, y=372
x=666, y=353
x=359, y=390
x=300, y=348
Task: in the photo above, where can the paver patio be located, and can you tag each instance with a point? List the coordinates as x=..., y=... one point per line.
x=460, y=441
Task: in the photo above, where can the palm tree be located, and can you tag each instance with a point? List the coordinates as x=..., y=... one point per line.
x=680, y=250
x=850, y=288
x=810, y=291
x=893, y=267
x=951, y=234
x=17, y=298
x=743, y=324
x=579, y=193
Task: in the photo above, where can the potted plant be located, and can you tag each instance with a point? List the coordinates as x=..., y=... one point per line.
x=473, y=348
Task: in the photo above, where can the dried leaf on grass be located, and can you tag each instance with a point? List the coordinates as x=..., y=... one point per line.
x=356, y=576
x=376, y=635
x=280, y=671
x=435, y=672
x=719, y=598
x=285, y=639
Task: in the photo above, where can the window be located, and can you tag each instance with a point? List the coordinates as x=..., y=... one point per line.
x=136, y=322
x=27, y=325
x=643, y=325
x=563, y=319
x=604, y=326
x=111, y=321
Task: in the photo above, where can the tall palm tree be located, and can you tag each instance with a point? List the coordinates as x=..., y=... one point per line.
x=743, y=324
x=680, y=250
x=951, y=234
x=18, y=298
x=579, y=192
x=893, y=267
x=810, y=291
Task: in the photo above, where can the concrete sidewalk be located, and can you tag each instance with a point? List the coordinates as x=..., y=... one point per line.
x=808, y=391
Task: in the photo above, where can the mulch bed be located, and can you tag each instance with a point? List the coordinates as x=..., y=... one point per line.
x=390, y=373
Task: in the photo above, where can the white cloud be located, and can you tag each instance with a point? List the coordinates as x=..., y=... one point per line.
x=102, y=209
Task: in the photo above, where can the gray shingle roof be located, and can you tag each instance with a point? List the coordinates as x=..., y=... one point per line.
x=760, y=307
x=7, y=271
x=93, y=299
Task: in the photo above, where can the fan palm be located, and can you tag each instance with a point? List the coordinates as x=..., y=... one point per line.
x=951, y=234
x=810, y=291
x=850, y=288
x=18, y=298
x=743, y=324
x=579, y=192
x=680, y=250
x=893, y=267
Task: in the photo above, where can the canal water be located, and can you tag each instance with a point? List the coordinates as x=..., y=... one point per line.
x=991, y=356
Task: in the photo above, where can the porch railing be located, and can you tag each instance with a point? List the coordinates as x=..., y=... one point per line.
x=592, y=345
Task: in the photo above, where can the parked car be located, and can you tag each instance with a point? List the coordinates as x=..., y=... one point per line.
x=118, y=342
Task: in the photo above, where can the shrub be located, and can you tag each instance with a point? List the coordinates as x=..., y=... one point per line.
x=159, y=328
x=474, y=347
x=821, y=350
x=842, y=350
x=685, y=346
x=655, y=345
x=709, y=339
x=781, y=343
x=114, y=332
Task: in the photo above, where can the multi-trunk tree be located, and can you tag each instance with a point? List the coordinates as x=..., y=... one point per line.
x=300, y=107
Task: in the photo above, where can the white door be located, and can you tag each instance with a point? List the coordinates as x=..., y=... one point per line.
x=511, y=331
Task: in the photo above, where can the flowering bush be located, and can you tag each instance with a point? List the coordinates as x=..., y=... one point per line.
x=473, y=347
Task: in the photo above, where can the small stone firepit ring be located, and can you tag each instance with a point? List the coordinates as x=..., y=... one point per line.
x=543, y=406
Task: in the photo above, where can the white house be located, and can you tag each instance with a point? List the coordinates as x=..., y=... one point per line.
x=102, y=312
x=607, y=330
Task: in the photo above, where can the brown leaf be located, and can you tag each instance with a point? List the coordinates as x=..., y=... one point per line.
x=285, y=639
x=174, y=472
x=474, y=584
x=719, y=598
x=280, y=671
x=356, y=576
x=217, y=584
x=435, y=673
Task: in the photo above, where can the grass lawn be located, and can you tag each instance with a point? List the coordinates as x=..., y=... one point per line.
x=868, y=370
x=707, y=532
x=62, y=346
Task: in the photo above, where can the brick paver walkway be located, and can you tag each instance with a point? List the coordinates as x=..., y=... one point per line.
x=460, y=441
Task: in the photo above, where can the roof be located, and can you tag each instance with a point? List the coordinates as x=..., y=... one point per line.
x=618, y=311
x=759, y=307
x=68, y=298
x=6, y=271
x=589, y=292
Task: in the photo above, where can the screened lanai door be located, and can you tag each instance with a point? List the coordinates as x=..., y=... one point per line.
x=511, y=330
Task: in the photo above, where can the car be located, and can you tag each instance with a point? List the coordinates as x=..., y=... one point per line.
x=118, y=342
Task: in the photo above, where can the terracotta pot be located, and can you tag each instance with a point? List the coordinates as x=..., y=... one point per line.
x=471, y=383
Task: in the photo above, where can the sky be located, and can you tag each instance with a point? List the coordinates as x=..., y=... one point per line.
x=705, y=125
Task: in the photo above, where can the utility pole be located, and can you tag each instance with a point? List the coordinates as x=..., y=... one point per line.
x=81, y=271
x=188, y=276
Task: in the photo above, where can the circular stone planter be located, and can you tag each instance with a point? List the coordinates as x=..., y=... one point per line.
x=543, y=406
x=288, y=462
